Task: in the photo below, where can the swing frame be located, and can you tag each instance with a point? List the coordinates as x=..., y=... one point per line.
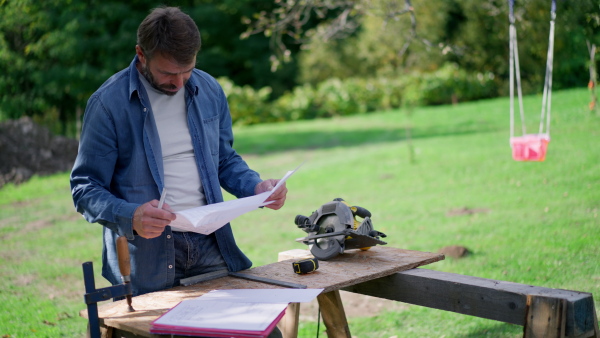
x=529, y=147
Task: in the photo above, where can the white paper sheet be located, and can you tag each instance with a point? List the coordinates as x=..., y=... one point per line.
x=231, y=311
x=209, y=218
x=220, y=315
x=263, y=295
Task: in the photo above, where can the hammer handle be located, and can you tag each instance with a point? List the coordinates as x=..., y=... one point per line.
x=123, y=256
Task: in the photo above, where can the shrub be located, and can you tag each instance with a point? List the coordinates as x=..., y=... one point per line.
x=296, y=105
x=335, y=97
x=451, y=84
x=247, y=105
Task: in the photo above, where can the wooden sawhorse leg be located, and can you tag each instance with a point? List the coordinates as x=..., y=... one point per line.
x=288, y=325
x=334, y=316
x=546, y=317
x=105, y=331
x=332, y=310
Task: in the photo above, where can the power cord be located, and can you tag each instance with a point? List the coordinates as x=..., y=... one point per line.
x=318, y=322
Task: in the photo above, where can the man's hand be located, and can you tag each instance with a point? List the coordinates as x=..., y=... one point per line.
x=149, y=221
x=278, y=196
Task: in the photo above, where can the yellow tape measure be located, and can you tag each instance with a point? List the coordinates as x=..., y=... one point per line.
x=304, y=266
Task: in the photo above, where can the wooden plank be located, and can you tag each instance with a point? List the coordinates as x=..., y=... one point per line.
x=480, y=297
x=354, y=266
x=334, y=316
x=546, y=317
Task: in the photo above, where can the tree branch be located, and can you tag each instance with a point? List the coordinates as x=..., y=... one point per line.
x=336, y=19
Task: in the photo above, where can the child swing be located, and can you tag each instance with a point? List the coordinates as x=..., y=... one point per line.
x=529, y=147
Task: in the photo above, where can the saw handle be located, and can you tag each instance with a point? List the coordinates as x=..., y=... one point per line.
x=360, y=212
x=123, y=256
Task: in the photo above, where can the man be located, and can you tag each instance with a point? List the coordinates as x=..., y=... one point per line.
x=161, y=123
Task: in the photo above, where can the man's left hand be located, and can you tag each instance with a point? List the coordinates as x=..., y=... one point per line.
x=278, y=196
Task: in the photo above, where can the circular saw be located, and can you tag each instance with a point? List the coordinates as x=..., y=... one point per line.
x=334, y=228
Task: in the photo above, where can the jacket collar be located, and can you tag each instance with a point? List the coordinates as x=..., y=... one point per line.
x=135, y=84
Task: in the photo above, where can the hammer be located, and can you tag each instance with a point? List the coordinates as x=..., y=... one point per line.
x=124, y=265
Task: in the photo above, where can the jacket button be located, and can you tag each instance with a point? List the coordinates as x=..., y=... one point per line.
x=170, y=266
x=168, y=236
x=144, y=110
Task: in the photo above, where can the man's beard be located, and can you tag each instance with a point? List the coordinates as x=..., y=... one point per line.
x=165, y=89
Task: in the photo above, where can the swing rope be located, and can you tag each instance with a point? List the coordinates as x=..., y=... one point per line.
x=515, y=74
x=547, y=96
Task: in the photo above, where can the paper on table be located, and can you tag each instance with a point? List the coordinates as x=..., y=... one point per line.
x=209, y=218
x=226, y=313
x=220, y=315
x=263, y=295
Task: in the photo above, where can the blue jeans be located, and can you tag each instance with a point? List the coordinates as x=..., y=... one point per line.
x=196, y=254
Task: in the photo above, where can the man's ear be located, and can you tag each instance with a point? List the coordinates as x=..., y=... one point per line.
x=140, y=54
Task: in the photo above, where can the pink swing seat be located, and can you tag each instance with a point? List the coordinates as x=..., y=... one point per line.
x=530, y=147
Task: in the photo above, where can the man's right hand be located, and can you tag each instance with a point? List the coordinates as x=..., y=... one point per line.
x=149, y=221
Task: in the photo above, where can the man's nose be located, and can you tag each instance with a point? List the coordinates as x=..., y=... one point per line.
x=177, y=80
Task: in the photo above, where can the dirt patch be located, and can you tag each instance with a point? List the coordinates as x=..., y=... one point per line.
x=25, y=279
x=466, y=211
x=27, y=149
x=454, y=251
x=37, y=225
x=9, y=221
x=64, y=288
x=355, y=305
x=41, y=223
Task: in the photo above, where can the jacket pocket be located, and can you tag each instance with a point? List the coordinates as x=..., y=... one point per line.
x=211, y=128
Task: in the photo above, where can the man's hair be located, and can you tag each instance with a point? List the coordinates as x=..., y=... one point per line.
x=171, y=32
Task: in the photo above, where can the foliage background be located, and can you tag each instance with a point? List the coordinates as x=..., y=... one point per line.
x=55, y=53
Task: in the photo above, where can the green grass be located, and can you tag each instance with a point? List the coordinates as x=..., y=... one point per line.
x=540, y=225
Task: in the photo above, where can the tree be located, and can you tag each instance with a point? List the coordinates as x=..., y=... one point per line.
x=225, y=54
x=55, y=53
x=419, y=40
x=374, y=37
x=339, y=19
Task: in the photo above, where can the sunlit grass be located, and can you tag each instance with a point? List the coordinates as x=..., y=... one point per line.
x=533, y=223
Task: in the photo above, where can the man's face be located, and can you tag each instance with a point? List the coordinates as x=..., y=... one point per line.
x=164, y=74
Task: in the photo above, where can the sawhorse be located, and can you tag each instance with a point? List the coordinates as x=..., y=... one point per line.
x=543, y=312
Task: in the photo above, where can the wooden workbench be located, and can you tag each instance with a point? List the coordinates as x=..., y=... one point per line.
x=351, y=268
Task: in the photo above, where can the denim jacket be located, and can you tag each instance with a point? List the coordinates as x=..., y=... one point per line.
x=119, y=167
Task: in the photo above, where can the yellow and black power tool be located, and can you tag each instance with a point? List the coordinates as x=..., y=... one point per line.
x=334, y=228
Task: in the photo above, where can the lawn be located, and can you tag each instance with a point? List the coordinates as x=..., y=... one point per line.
x=527, y=222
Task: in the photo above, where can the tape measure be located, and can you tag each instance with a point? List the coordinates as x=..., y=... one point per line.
x=304, y=266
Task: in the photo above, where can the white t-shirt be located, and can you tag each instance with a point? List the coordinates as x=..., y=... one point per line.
x=182, y=179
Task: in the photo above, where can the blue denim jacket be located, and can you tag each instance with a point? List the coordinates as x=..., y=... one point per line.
x=119, y=167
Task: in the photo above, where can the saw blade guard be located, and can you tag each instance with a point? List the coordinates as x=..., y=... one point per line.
x=333, y=228
x=332, y=217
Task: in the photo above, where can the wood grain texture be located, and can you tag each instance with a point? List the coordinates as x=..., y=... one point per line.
x=596, y=333
x=123, y=256
x=545, y=317
x=333, y=314
x=288, y=325
x=480, y=297
x=352, y=267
